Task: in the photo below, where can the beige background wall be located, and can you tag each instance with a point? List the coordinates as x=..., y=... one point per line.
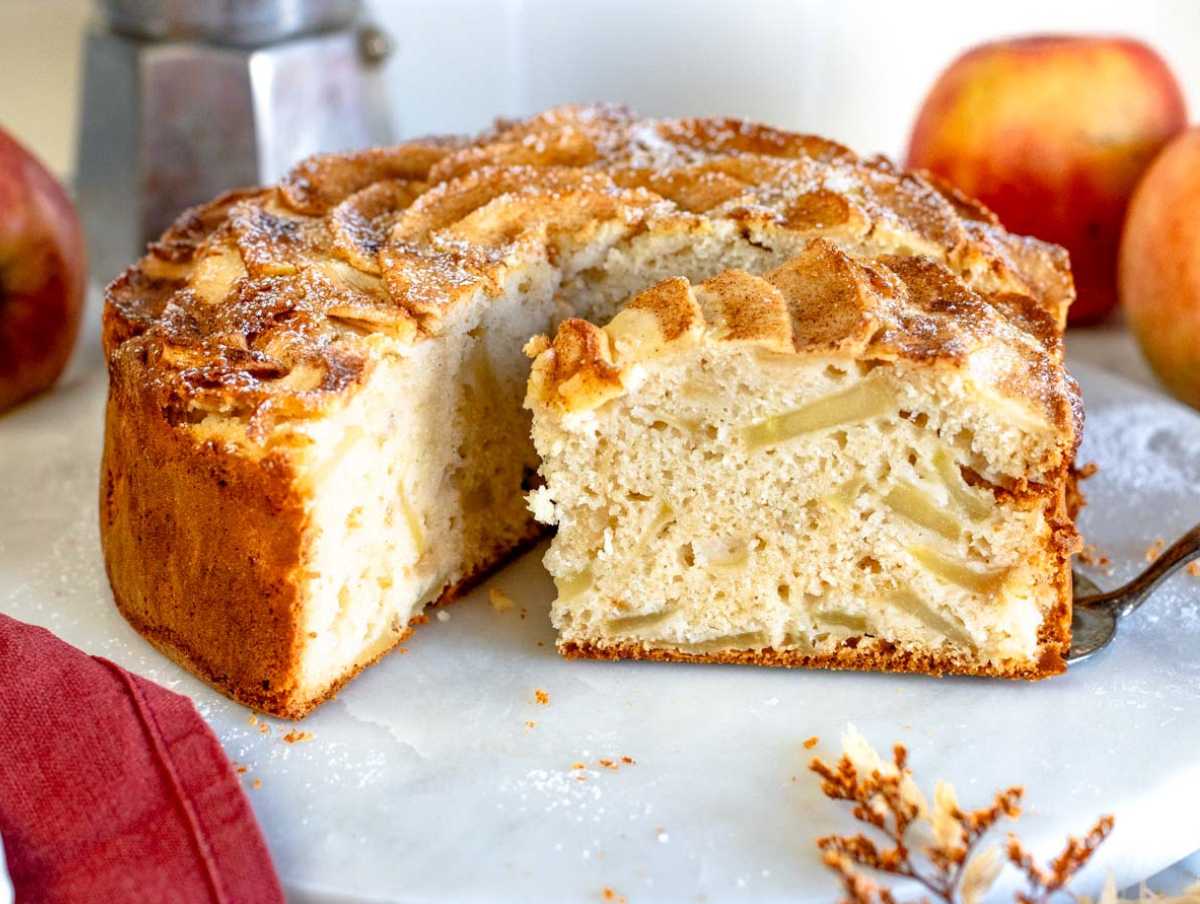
x=39, y=59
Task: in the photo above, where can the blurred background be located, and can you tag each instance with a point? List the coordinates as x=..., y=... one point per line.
x=854, y=70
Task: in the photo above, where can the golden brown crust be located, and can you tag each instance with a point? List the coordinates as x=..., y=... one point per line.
x=389, y=240
x=876, y=656
x=825, y=301
x=233, y=612
x=184, y=652
x=184, y=632
x=317, y=184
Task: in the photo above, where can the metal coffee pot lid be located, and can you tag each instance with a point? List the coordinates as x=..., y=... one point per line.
x=241, y=23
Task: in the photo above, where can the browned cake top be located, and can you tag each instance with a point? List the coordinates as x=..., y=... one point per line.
x=823, y=301
x=267, y=303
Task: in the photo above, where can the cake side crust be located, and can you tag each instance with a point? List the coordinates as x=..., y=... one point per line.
x=200, y=662
x=189, y=657
x=220, y=570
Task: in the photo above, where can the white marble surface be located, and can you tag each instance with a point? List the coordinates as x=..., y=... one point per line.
x=423, y=781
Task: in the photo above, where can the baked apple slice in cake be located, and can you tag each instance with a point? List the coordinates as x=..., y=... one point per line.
x=846, y=462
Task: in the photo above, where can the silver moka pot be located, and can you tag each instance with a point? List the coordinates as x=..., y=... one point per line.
x=183, y=99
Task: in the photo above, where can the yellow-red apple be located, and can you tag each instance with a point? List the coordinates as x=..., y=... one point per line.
x=1159, y=272
x=43, y=275
x=1052, y=133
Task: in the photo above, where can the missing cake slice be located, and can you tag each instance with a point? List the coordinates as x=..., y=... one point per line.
x=848, y=462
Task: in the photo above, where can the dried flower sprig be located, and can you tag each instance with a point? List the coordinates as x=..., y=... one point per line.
x=1045, y=883
x=936, y=846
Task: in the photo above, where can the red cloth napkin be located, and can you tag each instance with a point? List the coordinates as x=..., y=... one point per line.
x=113, y=788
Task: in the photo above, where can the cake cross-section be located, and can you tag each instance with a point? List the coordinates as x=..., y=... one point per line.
x=848, y=462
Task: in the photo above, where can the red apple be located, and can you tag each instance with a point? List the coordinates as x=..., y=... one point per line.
x=43, y=275
x=1160, y=266
x=1053, y=133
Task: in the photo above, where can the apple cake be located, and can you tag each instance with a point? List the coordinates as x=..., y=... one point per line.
x=851, y=460
x=315, y=426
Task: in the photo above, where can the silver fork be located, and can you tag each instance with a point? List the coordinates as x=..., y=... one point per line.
x=1094, y=622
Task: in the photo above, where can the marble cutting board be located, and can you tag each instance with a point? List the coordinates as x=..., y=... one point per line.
x=437, y=775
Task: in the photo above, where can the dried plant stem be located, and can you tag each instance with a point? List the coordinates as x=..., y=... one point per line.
x=949, y=866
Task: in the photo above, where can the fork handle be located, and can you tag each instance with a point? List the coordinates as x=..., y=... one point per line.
x=1128, y=597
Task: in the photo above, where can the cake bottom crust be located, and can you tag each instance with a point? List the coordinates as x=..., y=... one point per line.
x=860, y=656
x=281, y=703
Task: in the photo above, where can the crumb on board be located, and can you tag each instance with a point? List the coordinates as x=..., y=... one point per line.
x=541, y=697
x=256, y=784
x=500, y=600
x=1086, y=471
x=1091, y=555
x=524, y=612
x=1155, y=549
x=264, y=728
x=253, y=720
x=295, y=737
x=530, y=724
x=811, y=742
x=609, y=895
x=443, y=615
x=1193, y=569
x=611, y=763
